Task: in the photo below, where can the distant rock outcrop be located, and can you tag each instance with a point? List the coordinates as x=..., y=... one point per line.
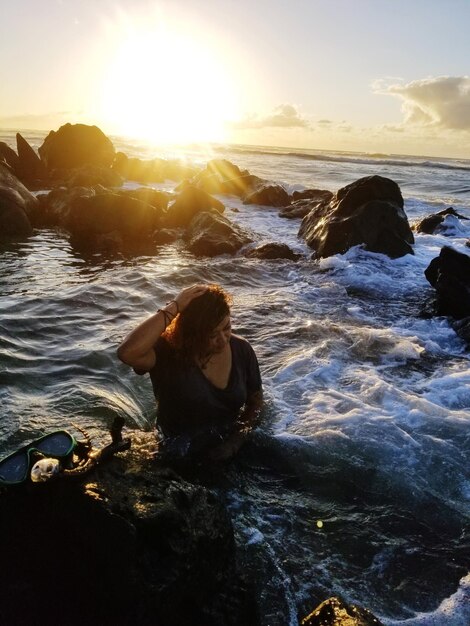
x=74, y=145
x=369, y=212
x=17, y=205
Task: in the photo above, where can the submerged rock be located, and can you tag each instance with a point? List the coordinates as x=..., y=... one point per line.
x=335, y=612
x=431, y=223
x=74, y=145
x=211, y=234
x=17, y=204
x=449, y=274
x=368, y=211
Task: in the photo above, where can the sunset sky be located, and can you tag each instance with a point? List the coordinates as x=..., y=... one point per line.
x=389, y=76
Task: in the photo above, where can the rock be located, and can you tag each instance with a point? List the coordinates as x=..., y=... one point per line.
x=242, y=185
x=92, y=175
x=269, y=195
x=30, y=167
x=97, y=215
x=17, y=204
x=369, y=212
x=431, y=223
x=462, y=328
x=273, y=251
x=129, y=544
x=54, y=207
x=213, y=177
x=449, y=274
x=211, y=234
x=187, y=204
x=166, y=235
x=74, y=145
x=317, y=195
x=335, y=612
x=151, y=170
x=299, y=208
x=156, y=198
x=9, y=156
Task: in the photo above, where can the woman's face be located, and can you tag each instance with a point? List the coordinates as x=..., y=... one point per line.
x=220, y=336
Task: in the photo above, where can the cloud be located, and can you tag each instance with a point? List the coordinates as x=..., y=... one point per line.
x=283, y=116
x=441, y=102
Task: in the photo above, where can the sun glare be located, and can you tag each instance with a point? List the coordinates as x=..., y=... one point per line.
x=167, y=86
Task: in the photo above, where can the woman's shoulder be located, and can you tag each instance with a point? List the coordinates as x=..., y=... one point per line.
x=240, y=343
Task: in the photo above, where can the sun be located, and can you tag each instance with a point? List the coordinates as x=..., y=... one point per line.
x=167, y=85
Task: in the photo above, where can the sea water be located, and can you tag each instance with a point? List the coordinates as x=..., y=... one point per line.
x=358, y=482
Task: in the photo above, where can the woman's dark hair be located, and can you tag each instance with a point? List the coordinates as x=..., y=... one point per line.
x=189, y=332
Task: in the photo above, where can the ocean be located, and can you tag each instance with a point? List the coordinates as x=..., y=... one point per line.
x=360, y=485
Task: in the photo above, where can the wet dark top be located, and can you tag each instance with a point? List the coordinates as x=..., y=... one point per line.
x=189, y=402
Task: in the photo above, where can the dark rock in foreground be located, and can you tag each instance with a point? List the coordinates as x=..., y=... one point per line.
x=369, y=212
x=74, y=145
x=128, y=545
x=211, y=234
x=449, y=274
x=16, y=205
x=431, y=223
x=273, y=251
x=334, y=612
x=30, y=168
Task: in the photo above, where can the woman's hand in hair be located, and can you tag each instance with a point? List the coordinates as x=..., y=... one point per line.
x=190, y=293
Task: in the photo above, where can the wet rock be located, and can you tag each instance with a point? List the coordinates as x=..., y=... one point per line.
x=273, y=251
x=8, y=156
x=166, y=235
x=91, y=176
x=92, y=217
x=156, y=198
x=130, y=544
x=449, y=274
x=211, y=234
x=189, y=202
x=55, y=206
x=335, y=612
x=317, y=195
x=17, y=205
x=269, y=195
x=369, y=212
x=431, y=223
x=299, y=208
x=74, y=145
x=30, y=168
x=151, y=170
x=223, y=177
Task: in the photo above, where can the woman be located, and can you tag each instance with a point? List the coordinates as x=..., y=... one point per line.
x=206, y=380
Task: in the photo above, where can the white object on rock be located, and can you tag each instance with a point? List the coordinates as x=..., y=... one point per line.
x=44, y=470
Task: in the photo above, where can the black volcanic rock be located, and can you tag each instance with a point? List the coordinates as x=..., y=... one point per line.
x=188, y=203
x=449, y=274
x=211, y=234
x=17, y=205
x=430, y=224
x=368, y=211
x=273, y=250
x=74, y=145
x=30, y=167
x=269, y=195
x=8, y=156
x=129, y=544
